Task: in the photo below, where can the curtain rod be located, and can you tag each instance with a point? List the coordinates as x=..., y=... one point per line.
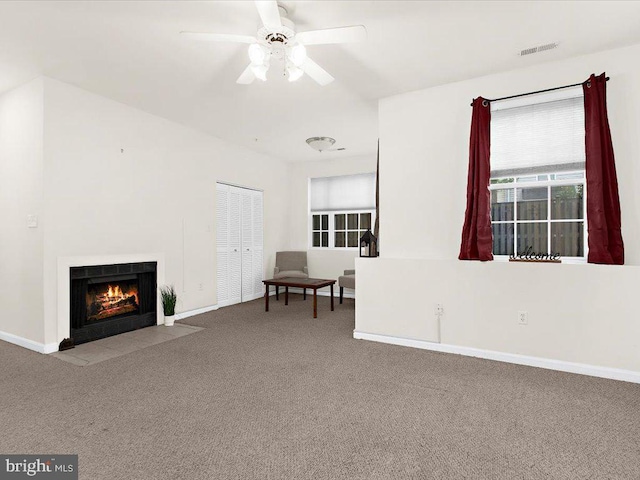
x=533, y=93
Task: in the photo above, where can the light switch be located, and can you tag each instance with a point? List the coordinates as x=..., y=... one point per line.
x=32, y=221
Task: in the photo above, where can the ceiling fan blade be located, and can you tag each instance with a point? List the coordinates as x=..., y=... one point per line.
x=316, y=72
x=246, y=77
x=219, y=37
x=353, y=33
x=269, y=13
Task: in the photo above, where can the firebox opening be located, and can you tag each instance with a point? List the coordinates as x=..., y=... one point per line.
x=110, y=299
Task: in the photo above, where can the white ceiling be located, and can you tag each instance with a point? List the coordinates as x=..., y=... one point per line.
x=132, y=52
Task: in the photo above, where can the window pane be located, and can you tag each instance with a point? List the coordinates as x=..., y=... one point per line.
x=495, y=181
x=316, y=222
x=567, y=238
x=339, y=222
x=569, y=176
x=531, y=178
x=325, y=239
x=567, y=202
x=340, y=239
x=325, y=222
x=502, y=204
x=316, y=239
x=353, y=239
x=365, y=221
x=532, y=203
x=502, y=238
x=352, y=221
x=532, y=235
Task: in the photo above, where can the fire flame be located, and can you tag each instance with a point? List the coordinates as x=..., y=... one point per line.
x=115, y=292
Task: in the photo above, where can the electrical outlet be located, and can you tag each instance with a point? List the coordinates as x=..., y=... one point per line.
x=523, y=317
x=438, y=309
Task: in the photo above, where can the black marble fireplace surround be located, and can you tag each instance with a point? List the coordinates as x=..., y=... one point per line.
x=111, y=299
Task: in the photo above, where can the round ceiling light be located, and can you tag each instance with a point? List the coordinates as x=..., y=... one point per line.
x=321, y=143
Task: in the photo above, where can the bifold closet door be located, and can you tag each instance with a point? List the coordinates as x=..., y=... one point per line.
x=258, y=245
x=222, y=243
x=229, y=270
x=247, y=245
x=239, y=244
x=252, y=239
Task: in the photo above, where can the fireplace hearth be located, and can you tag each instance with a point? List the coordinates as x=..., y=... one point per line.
x=110, y=299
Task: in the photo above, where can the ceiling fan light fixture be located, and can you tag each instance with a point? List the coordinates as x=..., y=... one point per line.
x=298, y=55
x=278, y=40
x=260, y=71
x=294, y=73
x=257, y=55
x=321, y=143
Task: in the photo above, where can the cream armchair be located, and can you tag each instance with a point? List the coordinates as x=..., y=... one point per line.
x=348, y=280
x=291, y=264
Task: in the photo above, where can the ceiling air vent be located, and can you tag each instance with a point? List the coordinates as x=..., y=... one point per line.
x=541, y=48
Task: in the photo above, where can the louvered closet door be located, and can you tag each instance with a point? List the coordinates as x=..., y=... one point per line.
x=235, y=254
x=247, y=246
x=229, y=262
x=252, y=240
x=222, y=242
x=258, y=242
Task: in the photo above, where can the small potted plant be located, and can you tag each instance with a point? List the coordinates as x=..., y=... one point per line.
x=169, y=299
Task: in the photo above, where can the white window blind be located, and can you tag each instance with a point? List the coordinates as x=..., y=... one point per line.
x=543, y=137
x=346, y=192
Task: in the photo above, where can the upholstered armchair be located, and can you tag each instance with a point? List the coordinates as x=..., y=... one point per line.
x=348, y=280
x=291, y=264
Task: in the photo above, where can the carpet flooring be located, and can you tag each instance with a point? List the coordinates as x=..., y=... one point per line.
x=281, y=395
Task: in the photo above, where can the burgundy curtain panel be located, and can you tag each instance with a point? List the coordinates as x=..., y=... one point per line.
x=603, y=202
x=477, y=239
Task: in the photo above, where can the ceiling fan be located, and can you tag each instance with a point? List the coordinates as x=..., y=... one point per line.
x=278, y=39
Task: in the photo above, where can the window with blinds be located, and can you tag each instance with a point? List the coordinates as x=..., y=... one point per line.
x=342, y=209
x=538, y=177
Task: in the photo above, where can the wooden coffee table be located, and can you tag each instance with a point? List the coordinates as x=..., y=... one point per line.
x=313, y=283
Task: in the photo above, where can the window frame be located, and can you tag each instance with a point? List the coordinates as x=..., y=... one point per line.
x=548, y=184
x=332, y=230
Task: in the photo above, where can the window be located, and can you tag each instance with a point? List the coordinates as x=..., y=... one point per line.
x=538, y=178
x=544, y=212
x=342, y=209
x=320, y=230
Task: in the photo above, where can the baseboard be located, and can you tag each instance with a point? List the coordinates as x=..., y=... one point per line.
x=197, y=311
x=550, y=364
x=30, y=344
x=253, y=297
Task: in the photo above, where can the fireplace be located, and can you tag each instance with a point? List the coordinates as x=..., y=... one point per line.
x=111, y=299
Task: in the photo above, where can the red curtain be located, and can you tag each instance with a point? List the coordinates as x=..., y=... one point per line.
x=477, y=239
x=603, y=202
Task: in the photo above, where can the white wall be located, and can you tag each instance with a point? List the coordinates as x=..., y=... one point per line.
x=121, y=181
x=424, y=138
x=323, y=263
x=21, y=248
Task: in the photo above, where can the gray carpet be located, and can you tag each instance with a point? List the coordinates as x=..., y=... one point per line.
x=281, y=395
